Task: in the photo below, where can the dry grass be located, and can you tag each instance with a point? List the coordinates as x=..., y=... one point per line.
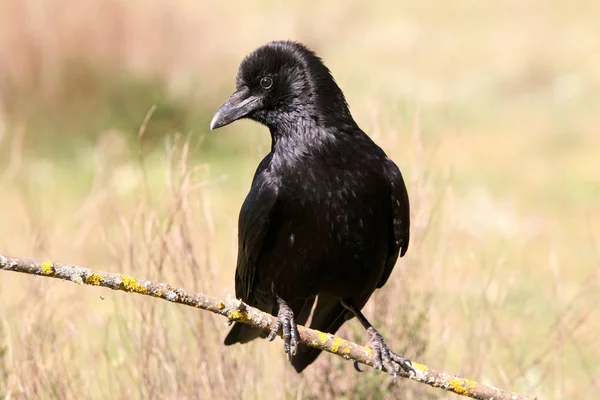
x=491, y=110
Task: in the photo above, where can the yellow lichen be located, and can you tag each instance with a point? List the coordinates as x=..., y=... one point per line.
x=346, y=351
x=157, y=294
x=335, y=346
x=131, y=285
x=221, y=305
x=239, y=316
x=464, y=387
x=322, y=337
x=94, y=279
x=418, y=366
x=46, y=268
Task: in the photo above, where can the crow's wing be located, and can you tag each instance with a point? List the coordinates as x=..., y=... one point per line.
x=400, y=223
x=254, y=222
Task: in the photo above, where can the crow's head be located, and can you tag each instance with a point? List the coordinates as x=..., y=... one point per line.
x=280, y=83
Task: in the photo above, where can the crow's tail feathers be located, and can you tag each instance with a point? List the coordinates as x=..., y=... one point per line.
x=328, y=317
x=243, y=333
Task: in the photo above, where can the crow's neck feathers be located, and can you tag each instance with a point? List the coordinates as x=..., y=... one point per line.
x=305, y=111
x=299, y=139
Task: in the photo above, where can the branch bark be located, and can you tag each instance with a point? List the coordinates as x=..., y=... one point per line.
x=237, y=311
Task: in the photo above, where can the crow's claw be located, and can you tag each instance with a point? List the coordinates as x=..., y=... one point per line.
x=383, y=357
x=403, y=362
x=285, y=323
x=357, y=367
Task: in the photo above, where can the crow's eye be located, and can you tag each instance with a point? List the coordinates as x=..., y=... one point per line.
x=266, y=82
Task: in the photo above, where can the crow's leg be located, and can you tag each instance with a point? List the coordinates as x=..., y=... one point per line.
x=285, y=323
x=382, y=355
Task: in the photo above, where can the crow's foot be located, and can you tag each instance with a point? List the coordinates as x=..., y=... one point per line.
x=285, y=323
x=383, y=357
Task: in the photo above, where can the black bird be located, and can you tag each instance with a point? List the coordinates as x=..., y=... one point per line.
x=327, y=214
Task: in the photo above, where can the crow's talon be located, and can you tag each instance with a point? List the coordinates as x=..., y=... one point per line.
x=383, y=357
x=357, y=367
x=289, y=329
x=403, y=362
x=274, y=331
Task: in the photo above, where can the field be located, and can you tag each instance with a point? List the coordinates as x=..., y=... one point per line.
x=491, y=110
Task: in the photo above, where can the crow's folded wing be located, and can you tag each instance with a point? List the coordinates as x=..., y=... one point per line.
x=400, y=223
x=256, y=217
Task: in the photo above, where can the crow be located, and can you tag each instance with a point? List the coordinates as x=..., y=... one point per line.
x=327, y=213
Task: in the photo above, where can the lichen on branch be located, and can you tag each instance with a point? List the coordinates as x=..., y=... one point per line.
x=238, y=311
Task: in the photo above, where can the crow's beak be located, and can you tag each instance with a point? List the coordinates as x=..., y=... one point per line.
x=239, y=105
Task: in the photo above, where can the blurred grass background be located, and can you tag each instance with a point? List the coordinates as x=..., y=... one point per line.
x=492, y=111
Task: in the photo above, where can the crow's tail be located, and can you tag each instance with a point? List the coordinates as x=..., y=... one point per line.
x=328, y=317
x=243, y=333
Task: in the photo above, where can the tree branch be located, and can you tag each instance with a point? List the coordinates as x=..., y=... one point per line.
x=237, y=311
